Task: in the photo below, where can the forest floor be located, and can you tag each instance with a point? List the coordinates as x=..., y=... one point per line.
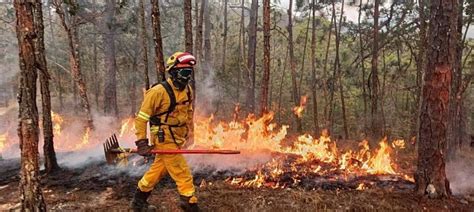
x=88, y=184
x=95, y=187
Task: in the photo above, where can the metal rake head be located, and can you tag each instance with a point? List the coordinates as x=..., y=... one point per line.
x=110, y=144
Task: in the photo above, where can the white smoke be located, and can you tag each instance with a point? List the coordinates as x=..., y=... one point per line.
x=460, y=173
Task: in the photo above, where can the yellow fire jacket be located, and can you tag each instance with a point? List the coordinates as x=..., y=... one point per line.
x=157, y=101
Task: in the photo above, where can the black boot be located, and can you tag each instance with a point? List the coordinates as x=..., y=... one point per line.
x=139, y=202
x=189, y=204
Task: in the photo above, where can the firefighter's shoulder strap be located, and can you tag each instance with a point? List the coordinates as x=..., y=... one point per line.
x=172, y=97
x=173, y=103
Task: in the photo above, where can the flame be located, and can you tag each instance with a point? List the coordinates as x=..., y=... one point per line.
x=3, y=139
x=127, y=127
x=298, y=110
x=361, y=186
x=409, y=178
x=381, y=163
x=85, y=139
x=311, y=155
x=57, y=122
x=399, y=144
x=257, y=182
x=294, y=157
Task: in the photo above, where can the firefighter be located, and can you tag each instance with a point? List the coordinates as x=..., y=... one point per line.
x=167, y=107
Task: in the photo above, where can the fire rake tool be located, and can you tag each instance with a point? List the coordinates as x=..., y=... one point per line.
x=114, y=153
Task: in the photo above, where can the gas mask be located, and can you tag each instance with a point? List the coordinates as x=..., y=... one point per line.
x=181, y=77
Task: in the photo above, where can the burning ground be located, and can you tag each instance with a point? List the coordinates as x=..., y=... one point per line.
x=276, y=170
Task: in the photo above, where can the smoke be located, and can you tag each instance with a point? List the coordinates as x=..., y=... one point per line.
x=206, y=91
x=236, y=163
x=460, y=173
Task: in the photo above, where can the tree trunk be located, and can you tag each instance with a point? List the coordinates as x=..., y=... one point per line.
x=430, y=175
x=295, y=95
x=110, y=88
x=74, y=56
x=313, y=69
x=382, y=94
x=96, y=72
x=280, y=90
x=159, y=60
x=224, y=38
x=266, y=57
x=30, y=187
x=188, y=26
x=133, y=87
x=207, y=62
x=302, y=70
x=96, y=80
x=241, y=49
x=53, y=47
x=325, y=74
x=455, y=133
x=196, y=24
x=188, y=45
x=144, y=42
x=362, y=67
x=50, y=161
x=374, y=79
x=252, y=36
x=338, y=72
x=199, y=30
x=420, y=62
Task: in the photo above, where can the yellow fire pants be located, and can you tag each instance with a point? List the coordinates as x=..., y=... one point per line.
x=176, y=167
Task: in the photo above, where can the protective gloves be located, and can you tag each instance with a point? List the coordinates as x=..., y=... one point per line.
x=143, y=148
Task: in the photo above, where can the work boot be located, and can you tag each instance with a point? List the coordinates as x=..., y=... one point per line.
x=139, y=202
x=189, y=204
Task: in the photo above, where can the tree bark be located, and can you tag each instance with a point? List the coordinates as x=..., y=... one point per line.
x=199, y=31
x=362, y=66
x=325, y=74
x=266, y=57
x=144, y=42
x=50, y=161
x=430, y=175
x=95, y=62
x=96, y=72
x=30, y=187
x=110, y=88
x=188, y=45
x=455, y=131
x=420, y=61
x=156, y=22
x=206, y=63
x=295, y=94
x=374, y=79
x=241, y=49
x=280, y=90
x=314, y=84
x=188, y=26
x=252, y=48
x=57, y=73
x=339, y=75
x=74, y=56
x=224, y=38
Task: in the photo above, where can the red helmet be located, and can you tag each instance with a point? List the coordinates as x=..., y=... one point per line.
x=180, y=59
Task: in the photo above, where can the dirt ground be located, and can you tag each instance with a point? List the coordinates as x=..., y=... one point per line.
x=96, y=188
